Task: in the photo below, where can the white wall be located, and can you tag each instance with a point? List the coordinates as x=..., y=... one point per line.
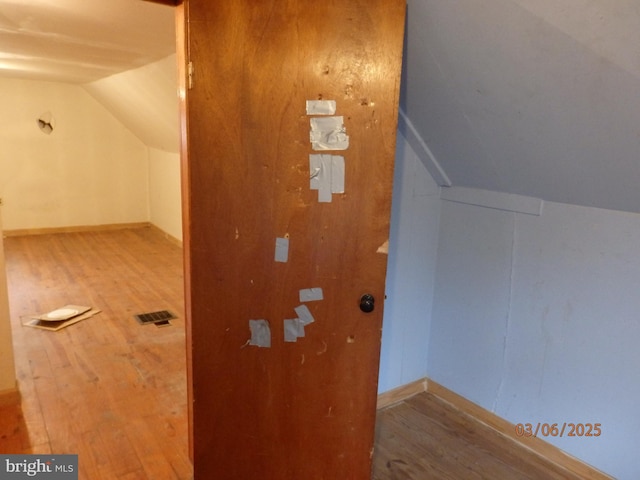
x=410, y=273
x=165, y=200
x=91, y=170
x=536, y=318
x=146, y=101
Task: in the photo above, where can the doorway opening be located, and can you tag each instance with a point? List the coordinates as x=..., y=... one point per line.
x=106, y=388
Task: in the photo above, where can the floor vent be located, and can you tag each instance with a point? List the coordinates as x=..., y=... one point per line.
x=161, y=317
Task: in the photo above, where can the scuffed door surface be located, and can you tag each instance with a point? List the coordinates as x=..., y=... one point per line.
x=301, y=409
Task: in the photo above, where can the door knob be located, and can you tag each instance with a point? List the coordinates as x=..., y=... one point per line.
x=367, y=303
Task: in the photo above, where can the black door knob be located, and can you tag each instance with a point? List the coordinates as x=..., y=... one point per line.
x=367, y=303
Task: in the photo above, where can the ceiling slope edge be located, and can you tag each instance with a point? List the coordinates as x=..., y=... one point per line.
x=145, y=100
x=422, y=150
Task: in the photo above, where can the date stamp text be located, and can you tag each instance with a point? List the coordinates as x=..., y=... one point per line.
x=564, y=429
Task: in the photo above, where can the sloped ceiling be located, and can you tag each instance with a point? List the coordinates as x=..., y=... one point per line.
x=79, y=41
x=532, y=97
x=121, y=51
x=146, y=100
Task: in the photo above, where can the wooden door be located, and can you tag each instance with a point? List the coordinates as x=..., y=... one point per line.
x=263, y=239
x=7, y=365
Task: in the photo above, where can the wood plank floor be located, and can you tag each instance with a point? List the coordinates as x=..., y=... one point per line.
x=107, y=388
x=424, y=437
x=114, y=391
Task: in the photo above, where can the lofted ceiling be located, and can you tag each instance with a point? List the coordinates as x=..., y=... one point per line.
x=79, y=41
x=532, y=97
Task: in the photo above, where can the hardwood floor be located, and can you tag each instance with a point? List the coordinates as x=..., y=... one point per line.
x=114, y=392
x=107, y=388
x=424, y=437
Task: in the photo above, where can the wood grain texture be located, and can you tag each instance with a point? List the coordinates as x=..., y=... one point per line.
x=536, y=445
x=401, y=393
x=426, y=437
x=182, y=58
x=171, y=3
x=114, y=391
x=107, y=389
x=10, y=397
x=304, y=409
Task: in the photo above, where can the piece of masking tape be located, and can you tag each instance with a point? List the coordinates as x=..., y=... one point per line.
x=311, y=294
x=337, y=174
x=321, y=107
x=260, y=333
x=304, y=315
x=328, y=133
x=315, y=169
x=282, y=249
x=326, y=174
x=324, y=189
x=293, y=329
